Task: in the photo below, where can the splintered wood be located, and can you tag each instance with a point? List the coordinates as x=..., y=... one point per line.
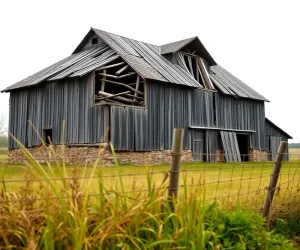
x=118, y=84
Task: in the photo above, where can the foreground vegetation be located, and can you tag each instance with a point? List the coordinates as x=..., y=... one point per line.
x=67, y=218
x=53, y=206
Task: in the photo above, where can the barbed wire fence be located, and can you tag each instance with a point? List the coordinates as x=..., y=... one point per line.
x=230, y=184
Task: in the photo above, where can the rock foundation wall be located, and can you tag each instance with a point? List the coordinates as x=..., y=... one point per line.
x=254, y=155
x=220, y=156
x=88, y=155
x=258, y=155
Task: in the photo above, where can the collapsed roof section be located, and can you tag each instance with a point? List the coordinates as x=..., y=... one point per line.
x=100, y=48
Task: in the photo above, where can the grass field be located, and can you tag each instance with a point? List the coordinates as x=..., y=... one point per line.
x=230, y=184
x=294, y=154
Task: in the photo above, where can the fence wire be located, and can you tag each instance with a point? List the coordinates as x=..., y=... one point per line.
x=230, y=184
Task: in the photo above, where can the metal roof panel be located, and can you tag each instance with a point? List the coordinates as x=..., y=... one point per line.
x=175, y=46
x=234, y=84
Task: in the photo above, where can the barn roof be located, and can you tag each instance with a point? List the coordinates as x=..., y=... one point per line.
x=175, y=46
x=275, y=126
x=146, y=59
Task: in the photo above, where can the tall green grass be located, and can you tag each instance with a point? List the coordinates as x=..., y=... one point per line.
x=62, y=215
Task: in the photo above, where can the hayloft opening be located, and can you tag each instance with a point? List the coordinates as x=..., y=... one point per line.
x=196, y=66
x=47, y=136
x=94, y=40
x=118, y=84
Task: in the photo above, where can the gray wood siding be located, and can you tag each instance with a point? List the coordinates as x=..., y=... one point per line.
x=48, y=105
x=242, y=114
x=134, y=129
x=272, y=140
x=271, y=130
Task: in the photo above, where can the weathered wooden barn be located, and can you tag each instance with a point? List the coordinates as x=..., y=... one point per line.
x=119, y=90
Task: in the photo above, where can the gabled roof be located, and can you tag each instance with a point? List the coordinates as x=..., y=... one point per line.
x=192, y=44
x=146, y=59
x=143, y=56
x=175, y=46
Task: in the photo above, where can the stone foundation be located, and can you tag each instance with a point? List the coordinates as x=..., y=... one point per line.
x=151, y=158
x=220, y=156
x=254, y=155
x=87, y=155
x=258, y=155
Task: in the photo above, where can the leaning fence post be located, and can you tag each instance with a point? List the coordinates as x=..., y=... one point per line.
x=274, y=177
x=175, y=165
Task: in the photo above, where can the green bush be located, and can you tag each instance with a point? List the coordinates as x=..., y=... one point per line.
x=242, y=230
x=290, y=227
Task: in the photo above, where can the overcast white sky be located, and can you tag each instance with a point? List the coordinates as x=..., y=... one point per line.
x=257, y=41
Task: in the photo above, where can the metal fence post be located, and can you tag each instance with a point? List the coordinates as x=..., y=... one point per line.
x=274, y=178
x=175, y=165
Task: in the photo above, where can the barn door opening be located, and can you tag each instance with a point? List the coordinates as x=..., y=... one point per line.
x=243, y=142
x=230, y=146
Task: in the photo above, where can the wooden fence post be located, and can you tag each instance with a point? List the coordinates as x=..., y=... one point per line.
x=274, y=178
x=175, y=165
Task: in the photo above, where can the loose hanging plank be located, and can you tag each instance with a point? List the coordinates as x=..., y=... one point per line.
x=111, y=102
x=205, y=74
x=117, y=97
x=107, y=97
x=125, y=85
x=134, y=83
x=110, y=66
x=137, y=97
x=103, y=81
x=137, y=87
x=122, y=70
x=118, y=77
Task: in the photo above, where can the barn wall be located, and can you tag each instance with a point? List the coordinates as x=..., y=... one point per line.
x=48, y=105
x=134, y=129
x=242, y=114
x=168, y=107
x=272, y=140
x=151, y=129
x=271, y=130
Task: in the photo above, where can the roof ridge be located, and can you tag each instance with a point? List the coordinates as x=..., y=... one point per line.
x=124, y=37
x=175, y=46
x=189, y=38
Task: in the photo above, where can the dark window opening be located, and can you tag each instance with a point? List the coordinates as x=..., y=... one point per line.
x=94, y=40
x=118, y=84
x=243, y=142
x=48, y=136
